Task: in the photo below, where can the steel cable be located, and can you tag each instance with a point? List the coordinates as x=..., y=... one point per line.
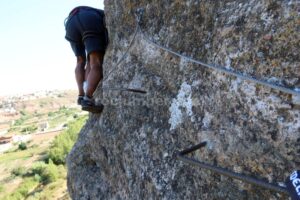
x=222, y=69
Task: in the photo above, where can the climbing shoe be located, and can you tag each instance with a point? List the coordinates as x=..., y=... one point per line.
x=79, y=100
x=88, y=104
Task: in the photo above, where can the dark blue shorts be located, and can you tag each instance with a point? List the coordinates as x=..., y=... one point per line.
x=86, y=31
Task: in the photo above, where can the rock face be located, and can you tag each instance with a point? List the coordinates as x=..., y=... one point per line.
x=129, y=151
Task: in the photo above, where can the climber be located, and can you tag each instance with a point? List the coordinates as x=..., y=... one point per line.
x=87, y=34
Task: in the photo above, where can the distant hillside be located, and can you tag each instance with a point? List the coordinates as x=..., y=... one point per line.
x=34, y=107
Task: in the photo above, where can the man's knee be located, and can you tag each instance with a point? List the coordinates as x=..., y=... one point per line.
x=96, y=58
x=81, y=61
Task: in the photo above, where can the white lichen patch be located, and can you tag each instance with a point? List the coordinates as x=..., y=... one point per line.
x=136, y=82
x=176, y=115
x=262, y=106
x=196, y=83
x=157, y=80
x=293, y=128
x=267, y=18
x=248, y=88
x=235, y=84
x=206, y=121
x=183, y=63
x=289, y=128
x=296, y=99
x=228, y=63
x=183, y=102
x=149, y=52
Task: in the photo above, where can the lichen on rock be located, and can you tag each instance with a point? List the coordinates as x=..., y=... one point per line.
x=129, y=151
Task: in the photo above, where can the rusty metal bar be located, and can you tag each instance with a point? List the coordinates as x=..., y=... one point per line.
x=254, y=181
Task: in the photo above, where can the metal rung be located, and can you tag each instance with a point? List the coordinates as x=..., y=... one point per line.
x=181, y=156
x=126, y=89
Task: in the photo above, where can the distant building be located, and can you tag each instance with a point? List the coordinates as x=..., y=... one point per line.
x=21, y=138
x=43, y=126
x=5, y=140
x=3, y=132
x=5, y=147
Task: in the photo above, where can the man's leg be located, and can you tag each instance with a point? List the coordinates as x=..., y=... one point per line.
x=93, y=78
x=87, y=70
x=95, y=75
x=80, y=73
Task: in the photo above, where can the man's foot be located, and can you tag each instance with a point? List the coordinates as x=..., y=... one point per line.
x=79, y=100
x=88, y=104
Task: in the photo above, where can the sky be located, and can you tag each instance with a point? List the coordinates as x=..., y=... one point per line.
x=34, y=54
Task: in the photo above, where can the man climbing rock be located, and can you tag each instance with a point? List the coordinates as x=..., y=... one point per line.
x=86, y=32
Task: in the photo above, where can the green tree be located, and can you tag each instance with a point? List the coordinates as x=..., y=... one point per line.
x=51, y=114
x=51, y=173
x=29, y=129
x=23, y=190
x=22, y=146
x=19, y=171
x=64, y=142
x=46, y=173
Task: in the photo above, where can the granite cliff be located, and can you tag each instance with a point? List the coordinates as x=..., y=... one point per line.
x=128, y=152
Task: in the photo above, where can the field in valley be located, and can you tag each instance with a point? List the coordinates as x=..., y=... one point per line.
x=43, y=132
